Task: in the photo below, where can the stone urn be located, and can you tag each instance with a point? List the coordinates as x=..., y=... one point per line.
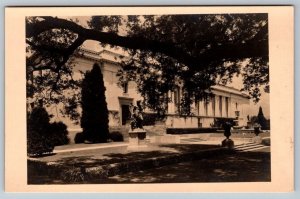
x=257, y=139
x=256, y=130
x=228, y=143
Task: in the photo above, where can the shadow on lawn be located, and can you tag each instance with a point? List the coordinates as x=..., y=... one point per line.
x=57, y=168
x=238, y=167
x=111, y=158
x=224, y=167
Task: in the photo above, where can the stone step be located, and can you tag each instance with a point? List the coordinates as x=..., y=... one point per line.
x=249, y=147
x=246, y=145
x=254, y=149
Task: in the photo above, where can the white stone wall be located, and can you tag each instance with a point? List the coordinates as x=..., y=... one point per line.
x=181, y=122
x=115, y=97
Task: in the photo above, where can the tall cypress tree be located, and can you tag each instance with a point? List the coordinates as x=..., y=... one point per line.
x=94, y=120
x=261, y=119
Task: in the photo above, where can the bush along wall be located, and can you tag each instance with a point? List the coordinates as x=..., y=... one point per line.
x=190, y=130
x=42, y=135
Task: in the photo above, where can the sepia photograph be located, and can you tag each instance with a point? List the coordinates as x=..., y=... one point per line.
x=147, y=98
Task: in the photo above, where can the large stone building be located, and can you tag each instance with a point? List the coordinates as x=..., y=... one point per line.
x=227, y=102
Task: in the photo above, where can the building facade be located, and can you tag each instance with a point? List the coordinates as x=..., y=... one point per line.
x=227, y=102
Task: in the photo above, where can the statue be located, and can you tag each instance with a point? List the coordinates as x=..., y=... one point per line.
x=137, y=134
x=137, y=118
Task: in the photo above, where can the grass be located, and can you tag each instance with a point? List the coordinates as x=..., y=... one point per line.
x=226, y=167
x=72, y=167
x=238, y=167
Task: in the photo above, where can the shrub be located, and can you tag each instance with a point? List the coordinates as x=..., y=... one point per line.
x=38, y=126
x=266, y=141
x=190, y=130
x=219, y=122
x=94, y=120
x=149, y=119
x=262, y=120
x=42, y=135
x=116, y=136
x=79, y=138
x=59, y=133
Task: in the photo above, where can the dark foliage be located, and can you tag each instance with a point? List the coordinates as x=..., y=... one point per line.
x=190, y=130
x=262, y=120
x=165, y=51
x=116, y=136
x=227, y=129
x=220, y=122
x=38, y=125
x=94, y=120
x=42, y=135
x=79, y=138
x=151, y=118
x=59, y=133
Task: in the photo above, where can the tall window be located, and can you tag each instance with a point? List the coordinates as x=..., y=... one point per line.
x=177, y=99
x=220, y=105
x=198, y=107
x=125, y=87
x=226, y=106
x=213, y=105
x=206, y=107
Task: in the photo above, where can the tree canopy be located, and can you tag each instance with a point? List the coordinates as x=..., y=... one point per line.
x=164, y=51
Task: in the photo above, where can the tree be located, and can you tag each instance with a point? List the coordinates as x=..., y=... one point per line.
x=94, y=120
x=38, y=139
x=262, y=120
x=165, y=51
x=42, y=135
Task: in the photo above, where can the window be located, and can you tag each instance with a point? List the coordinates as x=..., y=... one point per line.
x=199, y=123
x=177, y=99
x=126, y=115
x=226, y=106
x=213, y=105
x=125, y=87
x=220, y=105
x=206, y=107
x=198, y=107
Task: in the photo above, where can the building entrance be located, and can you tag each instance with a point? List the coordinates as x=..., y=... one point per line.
x=125, y=114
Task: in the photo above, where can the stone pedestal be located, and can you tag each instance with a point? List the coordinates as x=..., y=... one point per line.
x=137, y=138
x=228, y=143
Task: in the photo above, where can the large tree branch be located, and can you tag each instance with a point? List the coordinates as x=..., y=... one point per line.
x=65, y=53
x=250, y=48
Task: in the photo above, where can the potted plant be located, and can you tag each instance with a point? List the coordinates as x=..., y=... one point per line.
x=256, y=129
x=227, y=133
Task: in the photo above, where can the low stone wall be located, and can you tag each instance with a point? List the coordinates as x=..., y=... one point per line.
x=165, y=139
x=157, y=129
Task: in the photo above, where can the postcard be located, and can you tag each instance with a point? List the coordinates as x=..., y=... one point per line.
x=149, y=99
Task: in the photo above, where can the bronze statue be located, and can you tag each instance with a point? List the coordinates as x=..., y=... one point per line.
x=137, y=118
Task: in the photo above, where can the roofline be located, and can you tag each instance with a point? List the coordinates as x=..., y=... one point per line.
x=101, y=59
x=244, y=95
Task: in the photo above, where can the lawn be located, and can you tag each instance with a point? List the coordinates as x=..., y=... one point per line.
x=238, y=167
x=65, y=167
x=72, y=167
